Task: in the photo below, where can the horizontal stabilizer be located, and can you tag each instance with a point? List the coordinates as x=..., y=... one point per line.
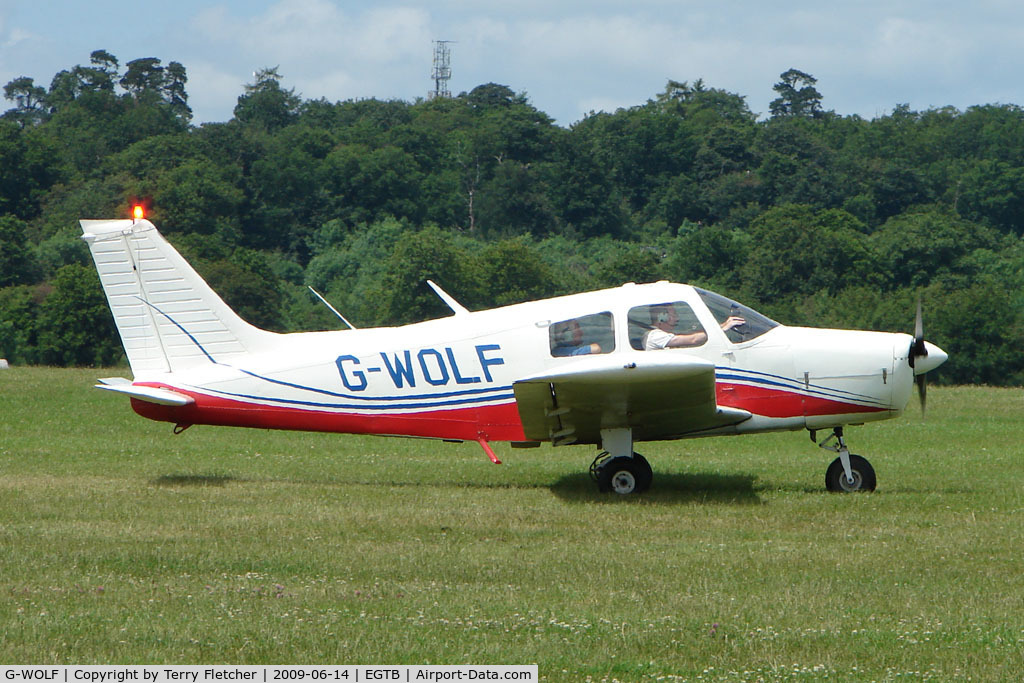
x=164, y=397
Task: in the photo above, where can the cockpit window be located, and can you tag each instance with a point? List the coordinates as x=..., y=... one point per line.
x=660, y=326
x=753, y=326
x=582, y=336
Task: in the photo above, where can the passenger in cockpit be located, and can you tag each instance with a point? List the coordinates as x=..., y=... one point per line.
x=569, y=340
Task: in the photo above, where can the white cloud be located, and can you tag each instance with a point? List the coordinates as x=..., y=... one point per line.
x=11, y=39
x=212, y=92
x=323, y=51
x=317, y=34
x=914, y=43
x=573, y=65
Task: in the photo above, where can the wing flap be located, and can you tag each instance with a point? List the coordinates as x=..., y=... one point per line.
x=657, y=395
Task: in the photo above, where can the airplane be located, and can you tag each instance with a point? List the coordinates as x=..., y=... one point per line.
x=573, y=369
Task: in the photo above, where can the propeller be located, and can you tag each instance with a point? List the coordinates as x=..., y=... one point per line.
x=918, y=349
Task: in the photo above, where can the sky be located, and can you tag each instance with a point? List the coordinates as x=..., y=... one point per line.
x=569, y=57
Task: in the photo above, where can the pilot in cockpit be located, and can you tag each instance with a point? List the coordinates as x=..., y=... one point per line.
x=663, y=334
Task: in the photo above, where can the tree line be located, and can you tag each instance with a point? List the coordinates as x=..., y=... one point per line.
x=812, y=217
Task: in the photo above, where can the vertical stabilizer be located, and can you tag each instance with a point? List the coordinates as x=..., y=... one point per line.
x=169, y=319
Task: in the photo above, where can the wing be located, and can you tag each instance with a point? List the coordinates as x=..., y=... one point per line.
x=659, y=395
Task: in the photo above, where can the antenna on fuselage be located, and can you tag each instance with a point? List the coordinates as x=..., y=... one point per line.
x=458, y=308
x=333, y=309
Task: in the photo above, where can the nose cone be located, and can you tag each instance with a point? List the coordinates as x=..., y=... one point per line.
x=934, y=358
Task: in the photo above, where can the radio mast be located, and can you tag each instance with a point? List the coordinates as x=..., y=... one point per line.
x=442, y=69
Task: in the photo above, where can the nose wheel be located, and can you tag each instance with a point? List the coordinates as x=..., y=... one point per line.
x=849, y=472
x=863, y=478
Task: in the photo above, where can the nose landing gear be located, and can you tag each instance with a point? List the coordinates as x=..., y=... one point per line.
x=848, y=472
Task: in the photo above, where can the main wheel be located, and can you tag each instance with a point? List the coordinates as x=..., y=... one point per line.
x=646, y=473
x=624, y=475
x=863, y=476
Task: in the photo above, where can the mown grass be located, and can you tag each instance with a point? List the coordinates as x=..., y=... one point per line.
x=122, y=543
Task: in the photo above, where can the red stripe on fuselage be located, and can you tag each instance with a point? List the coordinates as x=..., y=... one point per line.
x=770, y=402
x=494, y=422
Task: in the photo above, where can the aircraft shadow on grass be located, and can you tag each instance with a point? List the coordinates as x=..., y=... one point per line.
x=172, y=480
x=718, y=489
x=727, y=489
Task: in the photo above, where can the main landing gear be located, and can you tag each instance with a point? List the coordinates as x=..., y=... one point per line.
x=848, y=472
x=618, y=469
x=622, y=474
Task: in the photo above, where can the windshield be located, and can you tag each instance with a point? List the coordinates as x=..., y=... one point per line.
x=754, y=324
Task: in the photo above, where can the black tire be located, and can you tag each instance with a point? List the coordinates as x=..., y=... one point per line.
x=863, y=476
x=646, y=473
x=625, y=475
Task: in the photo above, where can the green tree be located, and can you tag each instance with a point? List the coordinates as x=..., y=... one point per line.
x=897, y=187
x=288, y=195
x=429, y=254
x=143, y=77
x=29, y=102
x=587, y=196
x=75, y=326
x=507, y=126
x=16, y=263
x=266, y=104
x=516, y=201
x=724, y=149
x=802, y=251
x=19, y=313
x=702, y=106
x=197, y=196
x=492, y=96
x=798, y=164
x=993, y=191
x=29, y=167
x=797, y=96
x=512, y=272
x=676, y=201
x=710, y=255
x=249, y=286
x=981, y=329
x=639, y=149
x=174, y=93
x=103, y=71
x=629, y=263
x=915, y=249
x=368, y=184
x=350, y=265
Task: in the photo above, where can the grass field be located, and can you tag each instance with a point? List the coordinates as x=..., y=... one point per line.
x=122, y=543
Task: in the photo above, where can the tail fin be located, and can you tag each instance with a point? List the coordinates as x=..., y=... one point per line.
x=169, y=319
